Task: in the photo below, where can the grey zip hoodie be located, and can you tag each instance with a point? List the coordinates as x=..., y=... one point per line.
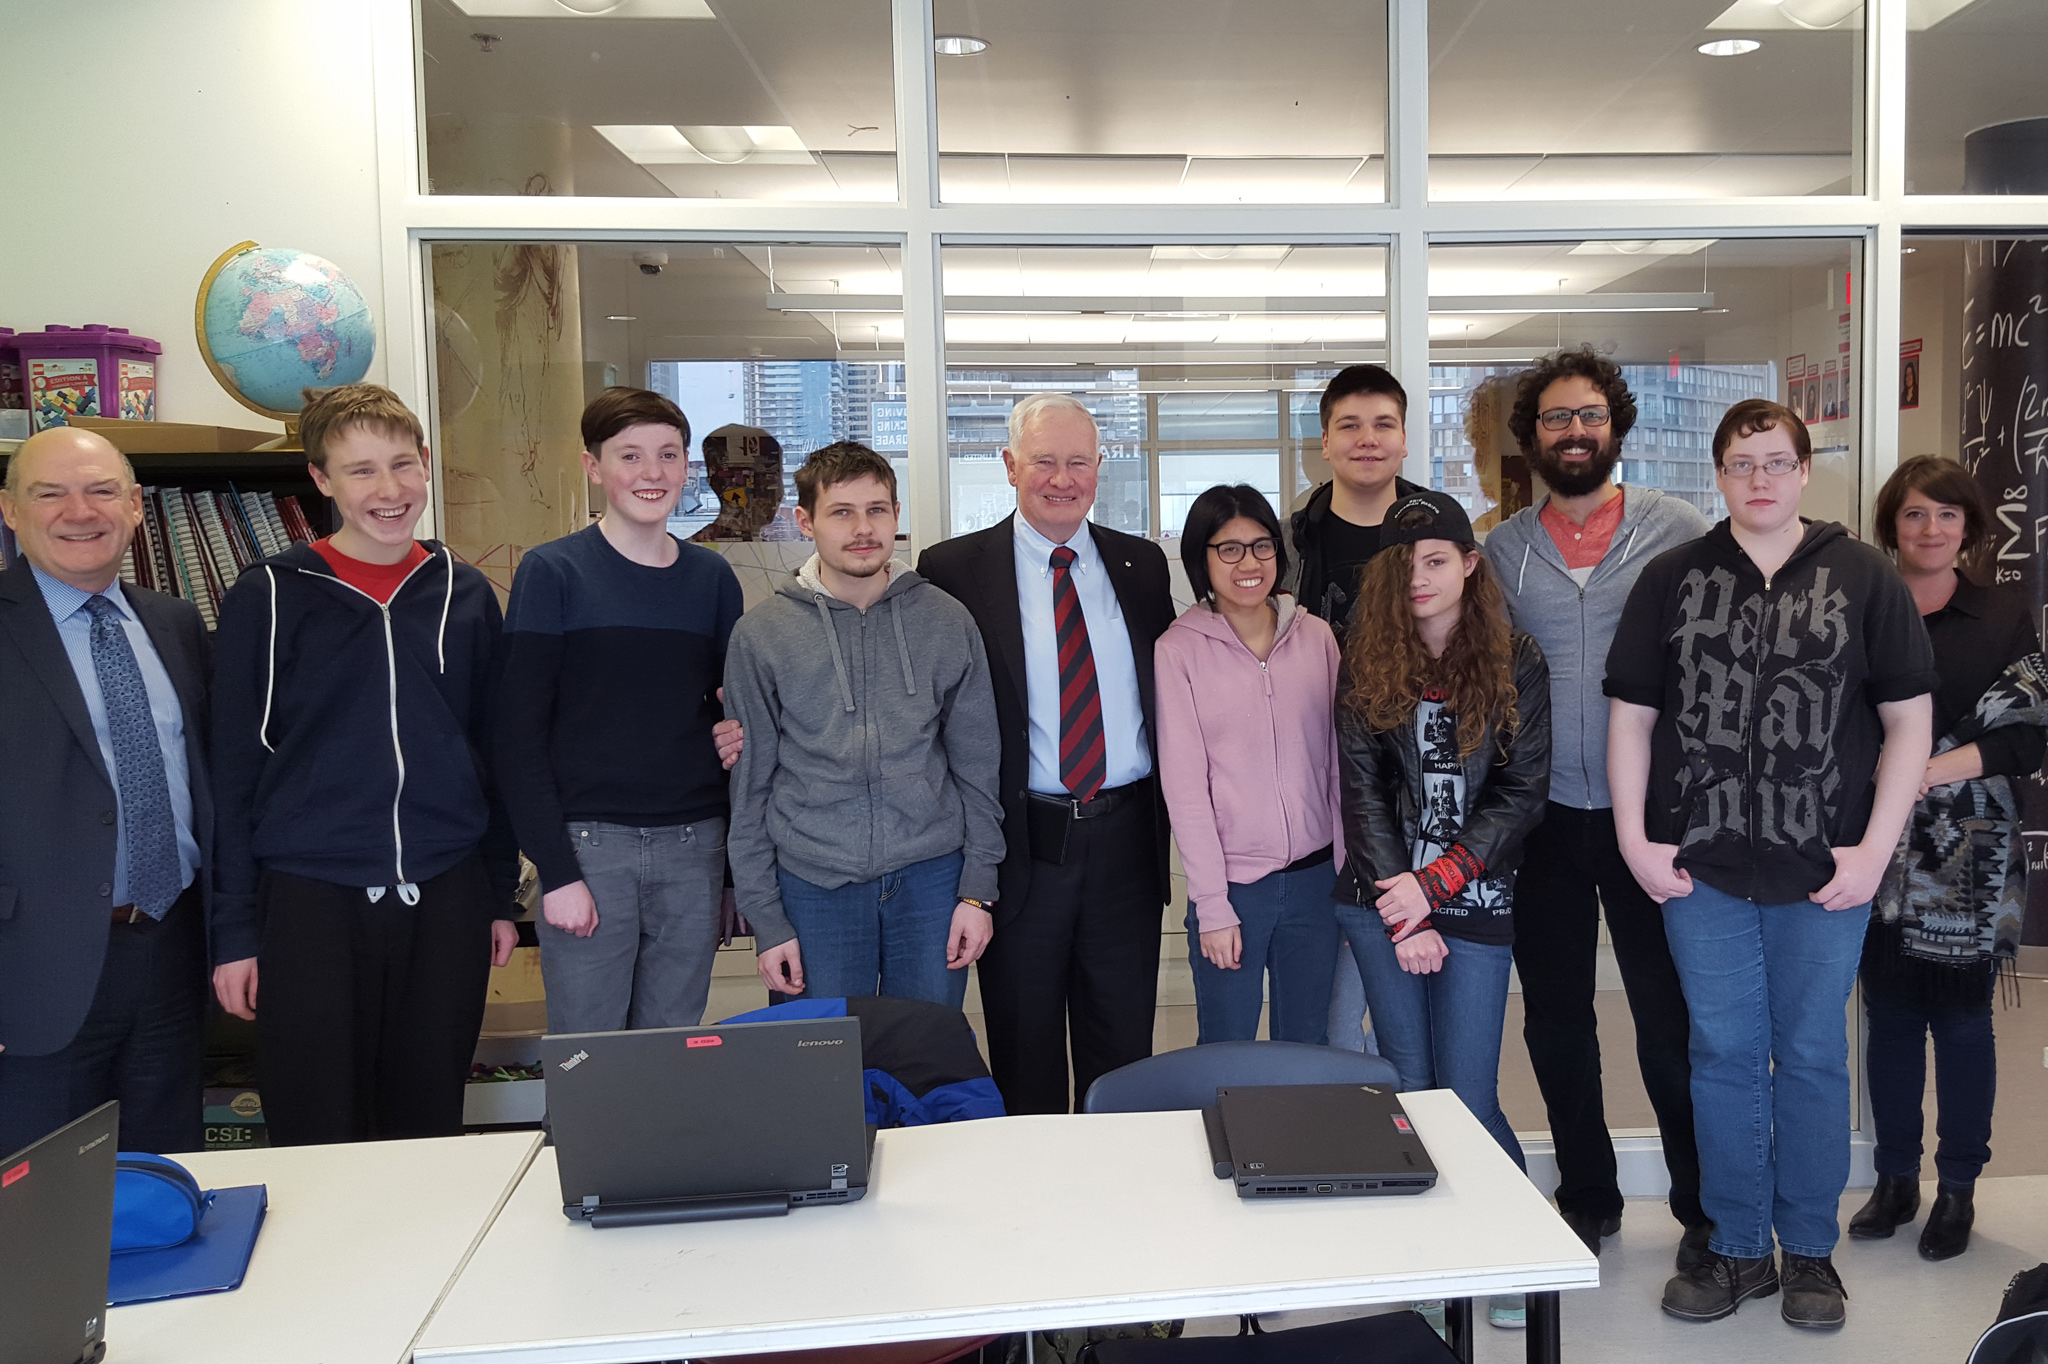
x=871, y=743
x=1574, y=625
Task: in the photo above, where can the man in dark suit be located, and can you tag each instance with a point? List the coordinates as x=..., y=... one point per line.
x=105, y=814
x=1069, y=613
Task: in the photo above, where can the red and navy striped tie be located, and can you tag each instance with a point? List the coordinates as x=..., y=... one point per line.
x=1084, y=760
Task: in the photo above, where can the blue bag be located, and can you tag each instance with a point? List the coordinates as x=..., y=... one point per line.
x=157, y=1203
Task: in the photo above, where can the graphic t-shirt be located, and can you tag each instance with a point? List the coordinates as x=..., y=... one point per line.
x=1347, y=549
x=1471, y=911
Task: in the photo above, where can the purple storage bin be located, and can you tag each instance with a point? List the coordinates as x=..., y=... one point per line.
x=89, y=371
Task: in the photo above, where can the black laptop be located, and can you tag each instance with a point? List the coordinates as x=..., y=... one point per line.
x=1316, y=1141
x=691, y=1124
x=56, y=1223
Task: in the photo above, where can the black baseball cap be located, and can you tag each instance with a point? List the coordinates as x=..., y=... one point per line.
x=1425, y=516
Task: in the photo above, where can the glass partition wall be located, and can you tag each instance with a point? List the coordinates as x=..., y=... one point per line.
x=886, y=220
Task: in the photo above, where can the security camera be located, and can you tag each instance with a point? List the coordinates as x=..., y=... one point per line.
x=650, y=262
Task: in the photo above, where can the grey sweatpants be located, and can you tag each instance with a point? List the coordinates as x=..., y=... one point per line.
x=648, y=965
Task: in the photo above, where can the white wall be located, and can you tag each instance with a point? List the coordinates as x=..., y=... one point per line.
x=145, y=138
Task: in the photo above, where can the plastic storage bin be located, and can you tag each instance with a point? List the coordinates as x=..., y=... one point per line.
x=89, y=371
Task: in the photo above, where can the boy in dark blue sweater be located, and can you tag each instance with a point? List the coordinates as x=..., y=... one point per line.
x=614, y=645
x=363, y=873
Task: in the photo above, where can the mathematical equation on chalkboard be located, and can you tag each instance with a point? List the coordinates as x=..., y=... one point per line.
x=2005, y=395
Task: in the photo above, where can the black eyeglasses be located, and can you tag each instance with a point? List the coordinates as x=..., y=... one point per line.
x=1232, y=551
x=1558, y=418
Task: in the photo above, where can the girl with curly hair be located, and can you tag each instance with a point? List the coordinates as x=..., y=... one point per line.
x=1444, y=760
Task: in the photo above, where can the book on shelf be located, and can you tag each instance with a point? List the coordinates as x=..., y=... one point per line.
x=194, y=542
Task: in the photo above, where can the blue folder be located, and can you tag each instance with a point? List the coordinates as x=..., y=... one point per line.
x=213, y=1261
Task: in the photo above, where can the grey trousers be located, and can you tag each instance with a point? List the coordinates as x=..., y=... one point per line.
x=648, y=965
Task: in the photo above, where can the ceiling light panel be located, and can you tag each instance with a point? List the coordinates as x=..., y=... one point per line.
x=1839, y=16
x=661, y=144
x=584, y=9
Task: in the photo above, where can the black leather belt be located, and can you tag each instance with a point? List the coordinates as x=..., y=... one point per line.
x=1104, y=802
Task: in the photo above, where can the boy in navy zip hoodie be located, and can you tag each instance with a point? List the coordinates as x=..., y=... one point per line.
x=364, y=870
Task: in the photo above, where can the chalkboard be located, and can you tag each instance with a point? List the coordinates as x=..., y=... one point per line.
x=2005, y=443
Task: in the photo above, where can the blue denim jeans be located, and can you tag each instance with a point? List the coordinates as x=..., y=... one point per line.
x=1768, y=987
x=1288, y=928
x=1441, y=1030
x=881, y=937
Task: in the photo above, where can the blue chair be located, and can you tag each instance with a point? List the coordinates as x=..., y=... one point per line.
x=1189, y=1078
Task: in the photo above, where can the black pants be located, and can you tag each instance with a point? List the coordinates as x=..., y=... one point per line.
x=139, y=1043
x=1572, y=869
x=1965, y=1078
x=1077, y=963
x=367, y=1014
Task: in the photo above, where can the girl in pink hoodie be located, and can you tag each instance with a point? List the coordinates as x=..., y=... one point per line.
x=1247, y=683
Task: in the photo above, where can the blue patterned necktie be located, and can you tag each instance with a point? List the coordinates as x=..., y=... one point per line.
x=154, y=876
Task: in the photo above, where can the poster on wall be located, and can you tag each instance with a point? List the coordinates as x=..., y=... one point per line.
x=1809, y=404
x=1909, y=375
x=1795, y=382
x=1830, y=398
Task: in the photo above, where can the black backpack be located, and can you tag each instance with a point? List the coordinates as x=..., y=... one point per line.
x=2020, y=1335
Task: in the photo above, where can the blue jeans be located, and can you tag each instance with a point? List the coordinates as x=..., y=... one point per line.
x=881, y=937
x=1287, y=926
x=1768, y=987
x=1441, y=1030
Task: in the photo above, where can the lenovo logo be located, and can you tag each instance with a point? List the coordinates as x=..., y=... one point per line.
x=99, y=1140
x=704, y=1042
x=823, y=1042
x=578, y=1059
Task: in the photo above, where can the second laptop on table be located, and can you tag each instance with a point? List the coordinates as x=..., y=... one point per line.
x=693, y=1124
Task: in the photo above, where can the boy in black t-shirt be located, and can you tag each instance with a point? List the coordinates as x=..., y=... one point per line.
x=1333, y=536
x=1770, y=725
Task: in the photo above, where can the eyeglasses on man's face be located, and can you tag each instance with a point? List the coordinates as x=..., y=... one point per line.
x=1558, y=418
x=1777, y=466
x=1232, y=551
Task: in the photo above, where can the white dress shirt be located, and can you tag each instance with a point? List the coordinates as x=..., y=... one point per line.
x=1127, y=755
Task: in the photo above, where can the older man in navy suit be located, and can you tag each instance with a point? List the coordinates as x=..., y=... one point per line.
x=104, y=812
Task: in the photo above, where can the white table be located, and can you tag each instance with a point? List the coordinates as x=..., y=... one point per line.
x=360, y=1244
x=1007, y=1224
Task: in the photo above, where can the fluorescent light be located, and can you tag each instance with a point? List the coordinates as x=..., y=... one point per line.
x=1842, y=16
x=1729, y=47
x=622, y=317
x=585, y=9
x=662, y=144
x=1668, y=246
x=1212, y=306
x=958, y=45
x=1217, y=253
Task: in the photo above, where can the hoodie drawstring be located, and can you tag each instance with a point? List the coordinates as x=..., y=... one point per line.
x=441, y=639
x=1522, y=576
x=270, y=678
x=902, y=646
x=838, y=658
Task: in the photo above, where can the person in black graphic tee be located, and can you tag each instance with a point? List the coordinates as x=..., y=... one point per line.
x=1770, y=726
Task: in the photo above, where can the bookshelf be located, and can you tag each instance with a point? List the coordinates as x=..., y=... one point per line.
x=215, y=500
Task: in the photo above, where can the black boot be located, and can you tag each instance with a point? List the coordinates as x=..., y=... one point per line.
x=1814, y=1296
x=1948, y=1224
x=1715, y=1287
x=1893, y=1203
x=1692, y=1246
x=1591, y=1227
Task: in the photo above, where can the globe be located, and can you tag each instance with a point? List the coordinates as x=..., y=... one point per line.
x=273, y=321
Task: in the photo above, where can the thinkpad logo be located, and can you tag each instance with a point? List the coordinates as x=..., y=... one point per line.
x=578, y=1059
x=822, y=1042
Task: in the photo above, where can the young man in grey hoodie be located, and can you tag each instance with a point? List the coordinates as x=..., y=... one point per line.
x=866, y=829
x=1567, y=565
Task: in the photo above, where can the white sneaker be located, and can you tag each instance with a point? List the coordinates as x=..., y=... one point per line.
x=1509, y=1311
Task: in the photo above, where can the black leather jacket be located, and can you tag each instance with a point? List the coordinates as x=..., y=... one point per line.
x=1505, y=788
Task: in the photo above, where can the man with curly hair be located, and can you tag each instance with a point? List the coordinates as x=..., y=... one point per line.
x=1567, y=564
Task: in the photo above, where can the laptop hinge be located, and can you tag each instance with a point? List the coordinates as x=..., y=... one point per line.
x=657, y=1211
